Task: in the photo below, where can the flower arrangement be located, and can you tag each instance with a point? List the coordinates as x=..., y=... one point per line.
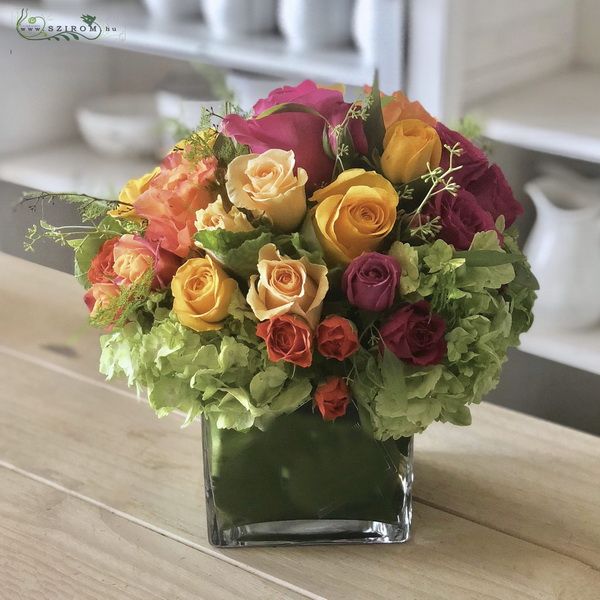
x=313, y=251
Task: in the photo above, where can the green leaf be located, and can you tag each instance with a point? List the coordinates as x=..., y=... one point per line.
x=487, y=258
x=267, y=384
x=289, y=107
x=236, y=251
x=374, y=126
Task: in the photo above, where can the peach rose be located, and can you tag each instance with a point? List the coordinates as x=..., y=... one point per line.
x=202, y=292
x=354, y=214
x=99, y=297
x=408, y=147
x=285, y=285
x=216, y=217
x=172, y=199
x=266, y=184
x=133, y=256
x=130, y=193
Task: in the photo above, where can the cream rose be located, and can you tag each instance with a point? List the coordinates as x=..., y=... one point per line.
x=214, y=216
x=266, y=184
x=284, y=285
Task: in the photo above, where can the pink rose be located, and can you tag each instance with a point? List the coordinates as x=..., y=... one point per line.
x=172, y=199
x=416, y=335
x=133, y=256
x=297, y=131
x=370, y=281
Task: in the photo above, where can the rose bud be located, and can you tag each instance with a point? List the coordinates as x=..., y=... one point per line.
x=371, y=280
x=408, y=147
x=337, y=338
x=100, y=296
x=288, y=338
x=332, y=398
x=415, y=334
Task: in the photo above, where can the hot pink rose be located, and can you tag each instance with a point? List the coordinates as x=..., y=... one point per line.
x=297, y=131
x=172, y=199
x=133, y=256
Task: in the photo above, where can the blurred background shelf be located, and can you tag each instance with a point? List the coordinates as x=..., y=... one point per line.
x=579, y=349
x=72, y=167
x=191, y=40
x=557, y=115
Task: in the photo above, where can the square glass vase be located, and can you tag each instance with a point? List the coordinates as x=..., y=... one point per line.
x=306, y=481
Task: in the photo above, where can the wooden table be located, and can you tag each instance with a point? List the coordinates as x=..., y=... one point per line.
x=100, y=499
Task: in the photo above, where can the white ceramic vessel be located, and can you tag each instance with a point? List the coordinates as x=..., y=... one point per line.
x=120, y=125
x=365, y=30
x=172, y=10
x=564, y=251
x=311, y=24
x=228, y=19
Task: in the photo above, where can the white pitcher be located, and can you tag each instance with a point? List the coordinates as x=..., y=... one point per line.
x=564, y=251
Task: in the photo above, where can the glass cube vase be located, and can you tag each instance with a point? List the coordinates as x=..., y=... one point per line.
x=306, y=481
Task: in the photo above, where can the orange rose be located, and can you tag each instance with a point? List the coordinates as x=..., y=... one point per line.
x=400, y=108
x=102, y=266
x=172, y=199
x=337, y=338
x=408, y=147
x=288, y=338
x=332, y=398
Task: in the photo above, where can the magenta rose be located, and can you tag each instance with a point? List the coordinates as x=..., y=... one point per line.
x=460, y=218
x=370, y=281
x=473, y=160
x=298, y=131
x=416, y=335
x=494, y=195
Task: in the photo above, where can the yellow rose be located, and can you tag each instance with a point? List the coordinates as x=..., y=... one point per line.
x=214, y=216
x=202, y=292
x=354, y=214
x=129, y=194
x=408, y=146
x=266, y=184
x=284, y=285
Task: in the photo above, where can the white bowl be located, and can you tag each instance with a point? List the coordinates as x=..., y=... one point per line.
x=120, y=125
x=228, y=19
x=174, y=108
x=172, y=10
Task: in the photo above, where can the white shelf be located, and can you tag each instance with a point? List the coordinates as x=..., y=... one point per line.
x=192, y=40
x=579, y=349
x=72, y=167
x=557, y=115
